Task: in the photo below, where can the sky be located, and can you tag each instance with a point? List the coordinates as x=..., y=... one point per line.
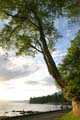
x=25, y=77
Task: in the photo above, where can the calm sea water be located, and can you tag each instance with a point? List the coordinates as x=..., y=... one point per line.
x=7, y=108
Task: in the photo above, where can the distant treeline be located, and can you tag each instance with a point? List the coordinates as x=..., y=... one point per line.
x=56, y=98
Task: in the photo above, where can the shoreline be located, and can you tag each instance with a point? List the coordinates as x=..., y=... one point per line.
x=34, y=116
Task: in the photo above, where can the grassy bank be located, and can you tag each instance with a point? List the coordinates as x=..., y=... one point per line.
x=69, y=116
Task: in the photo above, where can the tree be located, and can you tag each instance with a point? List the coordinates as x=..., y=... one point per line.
x=56, y=98
x=70, y=70
x=30, y=28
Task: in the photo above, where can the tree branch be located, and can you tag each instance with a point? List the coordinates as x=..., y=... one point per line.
x=36, y=48
x=21, y=17
x=48, y=58
x=13, y=31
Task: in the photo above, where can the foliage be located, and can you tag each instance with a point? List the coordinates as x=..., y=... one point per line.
x=69, y=116
x=56, y=98
x=23, y=30
x=70, y=70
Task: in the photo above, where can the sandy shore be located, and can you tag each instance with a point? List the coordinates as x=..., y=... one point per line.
x=39, y=116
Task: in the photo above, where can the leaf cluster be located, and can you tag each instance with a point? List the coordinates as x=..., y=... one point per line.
x=22, y=30
x=70, y=70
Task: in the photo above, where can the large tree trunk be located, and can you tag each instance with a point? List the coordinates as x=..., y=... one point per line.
x=53, y=69
x=47, y=56
x=50, y=63
x=76, y=108
x=52, y=66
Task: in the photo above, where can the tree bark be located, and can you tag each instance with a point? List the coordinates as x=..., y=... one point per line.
x=52, y=67
x=47, y=56
x=76, y=108
x=49, y=61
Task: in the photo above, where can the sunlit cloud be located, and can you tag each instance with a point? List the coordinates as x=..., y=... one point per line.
x=25, y=76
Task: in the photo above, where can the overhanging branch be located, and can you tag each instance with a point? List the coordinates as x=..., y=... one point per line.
x=21, y=17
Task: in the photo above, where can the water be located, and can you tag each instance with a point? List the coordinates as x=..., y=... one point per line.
x=7, y=108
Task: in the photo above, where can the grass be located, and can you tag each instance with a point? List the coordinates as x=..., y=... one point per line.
x=69, y=116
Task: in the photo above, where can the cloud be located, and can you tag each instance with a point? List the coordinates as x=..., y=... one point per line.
x=28, y=69
x=41, y=77
x=58, y=55
x=31, y=71
x=48, y=81
x=32, y=82
x=12, y=70
x=23, y=77
x=69, y=33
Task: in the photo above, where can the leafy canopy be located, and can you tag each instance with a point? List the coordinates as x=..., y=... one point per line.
x=22, y=30
x=24, y=18
x=70, y=70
